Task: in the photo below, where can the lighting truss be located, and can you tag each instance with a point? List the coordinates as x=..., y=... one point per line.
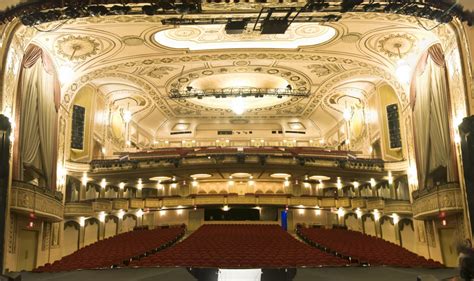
x=237, y=92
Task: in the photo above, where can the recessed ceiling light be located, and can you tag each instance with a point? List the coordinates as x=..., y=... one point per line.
x=319, y=178
x=160, y=178
x=280, y=175
x=201, y=176
x=241, y=175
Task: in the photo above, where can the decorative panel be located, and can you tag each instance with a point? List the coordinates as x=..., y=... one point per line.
x=328, y=202
x=102, y=206
x=120, y=204
x=136, y=203
x=273, y=200
x=358, y=203
x=152, y=203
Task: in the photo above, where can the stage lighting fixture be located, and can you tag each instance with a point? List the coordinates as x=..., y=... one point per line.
x=165, y=5
x=27, y=20
x=331, y=18
x=120, y=9
x=185, y=8
x=236, y=27
x=318, y=5
x=53, y=15
x=149, y=10
x=371, y=7
x=349, y=5
x=72, y=12
x=97, y=10
x=393, y=7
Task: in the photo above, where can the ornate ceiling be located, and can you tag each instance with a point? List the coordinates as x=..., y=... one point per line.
x=341, y=64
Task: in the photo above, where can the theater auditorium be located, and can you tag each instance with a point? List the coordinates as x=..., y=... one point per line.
x=236, y=140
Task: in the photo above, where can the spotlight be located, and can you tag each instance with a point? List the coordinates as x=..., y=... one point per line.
x=120, y=10
x=185, y=8
x=98, y=10
x=331, y=18
x=371, y=7
x=165, y=5
x=72, y=12
x=53, y=15
x=393, y=7
x=318, y=5
x=289, y=87
x=349, y=5
x=149, y=10
x=189, y=88
x=279, y=96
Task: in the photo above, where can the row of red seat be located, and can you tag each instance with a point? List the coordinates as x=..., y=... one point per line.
x=116, y=250
x=240, y=246
x=363, y=248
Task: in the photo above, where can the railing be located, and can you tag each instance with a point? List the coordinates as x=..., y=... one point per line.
x=43, y=202
x=443, y=198
x=87, y=208
x=230, y=155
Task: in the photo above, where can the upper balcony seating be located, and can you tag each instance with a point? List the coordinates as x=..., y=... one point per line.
x=116, y=250
x=240, y=246
x=364, y=248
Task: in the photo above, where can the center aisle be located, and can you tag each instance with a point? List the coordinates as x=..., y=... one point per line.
x=240, y=246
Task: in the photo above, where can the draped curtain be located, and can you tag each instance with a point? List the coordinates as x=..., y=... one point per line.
x=429, y=102
x=39, y=90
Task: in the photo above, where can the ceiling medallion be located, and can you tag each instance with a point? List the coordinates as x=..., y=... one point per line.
x=132, y=40
x=77, y=48
x=396, y=45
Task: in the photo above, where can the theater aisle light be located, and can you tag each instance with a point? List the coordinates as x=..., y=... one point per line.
x=238, y=105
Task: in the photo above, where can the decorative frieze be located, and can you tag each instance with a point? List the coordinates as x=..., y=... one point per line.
x=375, y=203
x=119, y=204
x=106, y=206
x=343, y=202
x=78, y=209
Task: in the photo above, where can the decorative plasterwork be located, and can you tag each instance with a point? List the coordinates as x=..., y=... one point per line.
x=26, y=200
x=447, y=200
x=215, y=37
x=77, y=47
x=396, y=45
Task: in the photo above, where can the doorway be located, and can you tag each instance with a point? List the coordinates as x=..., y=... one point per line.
x=448, y=246
x=26, y=259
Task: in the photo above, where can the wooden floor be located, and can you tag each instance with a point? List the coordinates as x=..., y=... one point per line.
x=180, y=274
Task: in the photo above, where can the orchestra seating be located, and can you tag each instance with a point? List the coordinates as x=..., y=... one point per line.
x=240, y=246
x=363, y=248
x=116, y=250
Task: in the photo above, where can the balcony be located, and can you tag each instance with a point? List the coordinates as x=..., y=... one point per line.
x=88, y=208
x=27, y=198
x=430, y=202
